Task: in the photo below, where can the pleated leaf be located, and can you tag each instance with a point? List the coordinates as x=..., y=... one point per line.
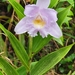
x=21, y=70
x=49, y=61
x=7, y=68
x=17, y=46
x=18, y=8
x=39, y=43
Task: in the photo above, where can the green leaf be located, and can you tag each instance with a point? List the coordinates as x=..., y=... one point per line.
x=53, y=3
x=70, y=73
x=17, y=46
x=2, y=44
x=18, y=8
x=59, y=40
x=70, y=35
x=62, y=15
x=1, y=73
x=7, y=68
x=71, y=2
x=73, y=73
x=70, y=13
x=67, y=19
x=33, y=64
x=21, y=70
x=39, y=43
x=62, y=0
x=50, y=60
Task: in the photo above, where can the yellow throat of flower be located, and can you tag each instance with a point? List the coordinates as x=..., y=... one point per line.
x=39, y=22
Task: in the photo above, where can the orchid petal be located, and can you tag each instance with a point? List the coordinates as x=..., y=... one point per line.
x=50, y=14
x=43, y=3
x=31, y=10
x=40, y=19
x=43, y=32
x=23, y=26
x=54, y=30
x=33, y=32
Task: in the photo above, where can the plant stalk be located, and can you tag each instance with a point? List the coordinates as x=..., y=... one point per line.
x=30, y=52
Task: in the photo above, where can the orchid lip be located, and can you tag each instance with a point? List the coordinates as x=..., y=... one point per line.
x=39, y=22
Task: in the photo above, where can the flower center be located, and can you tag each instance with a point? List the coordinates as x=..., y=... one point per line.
x=39, y=22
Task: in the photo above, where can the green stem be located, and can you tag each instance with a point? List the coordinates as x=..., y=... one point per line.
x=21, y=39
x=30, y=52
x=30, y=47
x=31, y=1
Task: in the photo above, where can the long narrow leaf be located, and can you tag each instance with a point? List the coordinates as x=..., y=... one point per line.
x=7, y=68
x=17, y=46
x=39, y=43
x=18, y=8
x=21, y=70
x=50, y=60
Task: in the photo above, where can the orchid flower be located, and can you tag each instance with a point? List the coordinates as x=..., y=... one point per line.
x=39, y=18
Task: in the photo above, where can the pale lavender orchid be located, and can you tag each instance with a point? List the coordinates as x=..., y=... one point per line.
x=39, y=18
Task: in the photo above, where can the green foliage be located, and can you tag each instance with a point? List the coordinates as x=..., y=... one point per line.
x=71, y=73
x=63, y=15
x=2, y=44
x=49, y=61
x=21, y=70
x=8, y=69
x=70, y=35
x=18, y=48
x=59, y=40
x=69, y=61
x=18, y=8
x=39, y=43
x=2, y=0
x=67, y=17
x=69, y=1
x=53, y=3
x=1, y=73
